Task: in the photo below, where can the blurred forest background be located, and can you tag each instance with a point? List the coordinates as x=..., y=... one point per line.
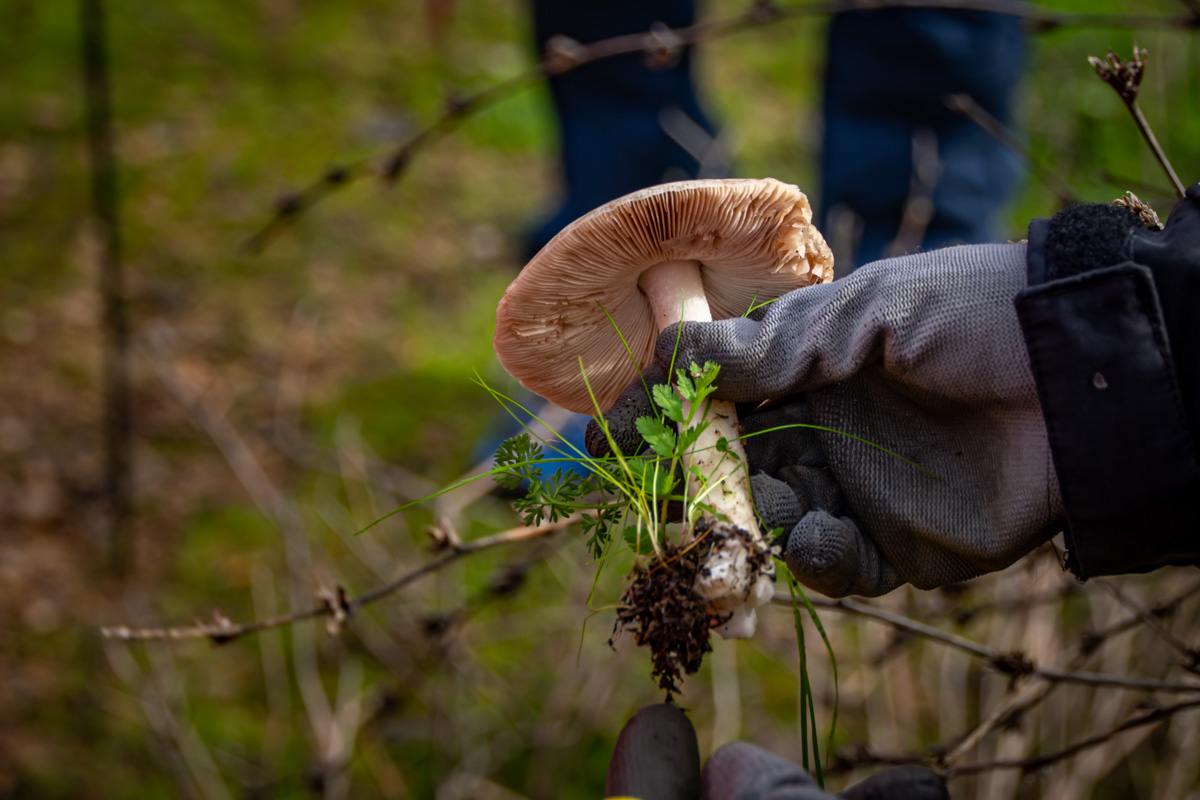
x=283, y=400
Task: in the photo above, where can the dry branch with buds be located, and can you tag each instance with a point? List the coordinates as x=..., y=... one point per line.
x=335, y=603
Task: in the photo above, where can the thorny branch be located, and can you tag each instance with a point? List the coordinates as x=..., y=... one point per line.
x=661, y=46
x=336, y=603
x=1125, y=77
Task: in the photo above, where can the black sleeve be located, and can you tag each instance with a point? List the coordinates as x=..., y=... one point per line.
x=1121, y=404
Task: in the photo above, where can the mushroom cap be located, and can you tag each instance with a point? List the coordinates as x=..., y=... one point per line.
x=753, y=239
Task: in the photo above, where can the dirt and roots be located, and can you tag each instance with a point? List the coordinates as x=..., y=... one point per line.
x=662, y=610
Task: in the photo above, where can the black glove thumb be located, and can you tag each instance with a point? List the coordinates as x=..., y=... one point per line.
x=656, y=757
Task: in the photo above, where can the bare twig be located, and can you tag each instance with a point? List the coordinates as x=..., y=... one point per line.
x=710, y=152
x=1126, y=79
x=897, y=621
x=918, y=207
x=862, y=755
x=1014, y=665
x=1027, y=765
x=961, y=615
x=190, y=763
x=222, y=630
x=1191, y=655
x=1093, y=639
x=660, y=45
x=965, y=104
x=118, y=417
x=520, y=534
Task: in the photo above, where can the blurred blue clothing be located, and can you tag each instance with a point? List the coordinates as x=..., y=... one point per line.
x=560, y=447
x=611, y=138
x=887, y=77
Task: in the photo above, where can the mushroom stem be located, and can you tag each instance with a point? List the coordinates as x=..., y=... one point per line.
x=675, y=291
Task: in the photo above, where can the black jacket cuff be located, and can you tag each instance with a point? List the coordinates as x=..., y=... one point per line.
x=1101, y=357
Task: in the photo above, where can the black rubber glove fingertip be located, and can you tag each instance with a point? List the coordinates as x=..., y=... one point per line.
x=657, y=757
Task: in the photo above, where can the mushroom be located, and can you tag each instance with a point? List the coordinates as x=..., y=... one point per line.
x=686, y=251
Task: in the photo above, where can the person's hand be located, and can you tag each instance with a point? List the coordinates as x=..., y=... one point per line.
x=657, y=758
x=914, y=360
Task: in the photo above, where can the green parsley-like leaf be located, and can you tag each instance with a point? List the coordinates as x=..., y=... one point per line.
x=688, y=436
x=599, y=529
x=517, y=459
x=687, y=389
x=670, y=403
x=660, y=437
x=702, y=381
x=642, y=545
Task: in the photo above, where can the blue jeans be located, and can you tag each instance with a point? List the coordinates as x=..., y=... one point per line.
x=887, y=76
x=888, y=73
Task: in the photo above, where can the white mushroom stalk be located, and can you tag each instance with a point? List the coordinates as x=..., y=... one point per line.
x=676, y=294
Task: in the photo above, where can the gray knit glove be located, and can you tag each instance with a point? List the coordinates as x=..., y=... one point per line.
x=742, y=771
x=921, y=355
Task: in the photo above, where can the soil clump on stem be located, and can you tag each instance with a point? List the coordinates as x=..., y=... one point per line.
x=664, y=613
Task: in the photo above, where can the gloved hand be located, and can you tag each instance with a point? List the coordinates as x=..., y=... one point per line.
x=657, y=758
x=921, y=355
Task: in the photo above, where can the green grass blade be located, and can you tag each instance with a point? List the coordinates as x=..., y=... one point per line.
x=505, y=402
x=444, y=490
x=812, y=613
x=805, y=688
x=628, y=350
x=880, y=447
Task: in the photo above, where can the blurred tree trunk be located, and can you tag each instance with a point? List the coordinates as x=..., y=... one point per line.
x=117, y=419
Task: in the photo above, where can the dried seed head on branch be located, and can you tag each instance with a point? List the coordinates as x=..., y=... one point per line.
x=1144, y=211
x=1125, y=77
